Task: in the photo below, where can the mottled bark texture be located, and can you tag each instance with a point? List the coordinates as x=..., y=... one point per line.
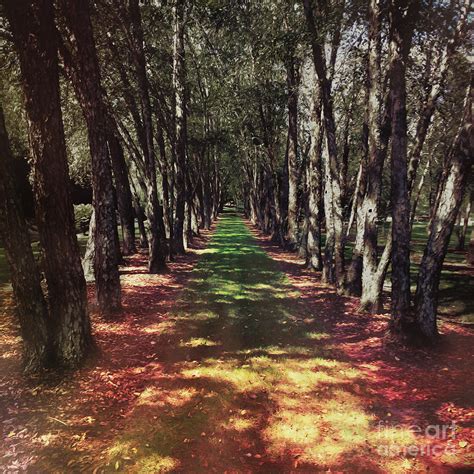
x=449, y=201
x=401, y=14
x=80, y=60
x=334, y=217
x=30, y=303
x=34, y=33
x=315, y=179
x=371, y=300
x=156, y=238
x=179, y=86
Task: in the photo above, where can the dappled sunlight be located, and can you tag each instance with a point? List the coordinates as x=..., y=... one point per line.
x=246, y=372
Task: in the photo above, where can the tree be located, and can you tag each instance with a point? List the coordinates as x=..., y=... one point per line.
x=35, y=38
x=401, y=17
x=447, y=207
x=80, y=59
x=156, y=239
x=334, y=222
x=30, y=303
x=180, y=111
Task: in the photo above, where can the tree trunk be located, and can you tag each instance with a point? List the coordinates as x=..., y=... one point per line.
x=124, y=194
x=330, y=129
x=401, y=25
x=30, y=304
x=179, y=78
x=450, y=199
x=80, y=60
x=157, y=239
x=34, y=34
x=292, y=154
x=462, y=230
x=375, y=163
x=314, y=259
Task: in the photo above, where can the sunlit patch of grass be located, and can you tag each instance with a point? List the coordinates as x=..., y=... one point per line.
x=198, y=342
x=289, y=429
x=161, y=398
x=241, y=378
x=239, y=424
x=160, y=328
x=156, y=463
x=317, y=336
x=257, y=373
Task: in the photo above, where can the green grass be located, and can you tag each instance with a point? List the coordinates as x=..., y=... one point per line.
x=456, y=288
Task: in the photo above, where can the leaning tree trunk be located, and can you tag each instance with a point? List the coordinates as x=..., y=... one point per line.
x=401, y=24
x=81, y=64
x=449, y=201
x=35, y=35
x=179, y=78
x=157, y=238
x=30, y=304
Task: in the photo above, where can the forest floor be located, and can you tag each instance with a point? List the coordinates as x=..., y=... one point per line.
x=240, y=360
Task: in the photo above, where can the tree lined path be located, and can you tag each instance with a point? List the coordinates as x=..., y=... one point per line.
x=243, y=364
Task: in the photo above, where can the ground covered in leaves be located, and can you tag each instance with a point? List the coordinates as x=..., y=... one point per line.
x=239, y=360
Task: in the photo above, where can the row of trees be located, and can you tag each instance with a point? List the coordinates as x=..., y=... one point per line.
x=365, y=92
x=331, y=123
x=135, y=134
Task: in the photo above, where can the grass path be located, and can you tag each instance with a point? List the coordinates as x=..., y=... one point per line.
x=248, y=381
x=238, y=360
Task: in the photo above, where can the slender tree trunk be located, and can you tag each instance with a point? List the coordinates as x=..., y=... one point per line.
x=157, y=239
x=31, y=309
x=34, y=34
x=450, y=199
x=124, y=194
x=375, y=162
x=330, y=129
x=463, y=225
x=179, y=78
x=314, y=258
x=292, y=154
x=401, y=25
x=83, y=70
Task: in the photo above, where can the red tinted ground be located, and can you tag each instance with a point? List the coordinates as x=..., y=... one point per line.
x=170, y=393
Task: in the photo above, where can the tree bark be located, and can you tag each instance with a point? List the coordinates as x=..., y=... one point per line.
x=81, y=64
x=124, y=194
x=330, y=130
x=401, y=26
x=314, y=258
x=31, y=309
x=156, y=240
x=375, y=163
x=292, y=154
x=34, y=34
x=179, y=80
x=449, y=201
